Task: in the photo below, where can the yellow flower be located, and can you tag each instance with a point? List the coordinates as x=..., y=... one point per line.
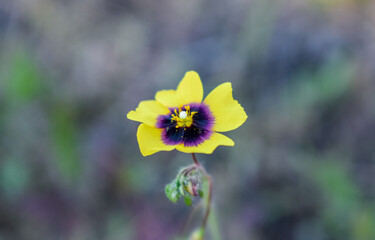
x=178, y=119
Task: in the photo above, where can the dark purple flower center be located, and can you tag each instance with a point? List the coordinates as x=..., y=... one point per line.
x=190, y=124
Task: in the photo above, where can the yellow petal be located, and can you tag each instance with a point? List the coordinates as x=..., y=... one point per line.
x=228, y=112
x=147, y=112
x=149, y=140
x=209, y=145
x=190, y=90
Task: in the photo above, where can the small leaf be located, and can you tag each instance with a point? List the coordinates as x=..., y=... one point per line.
x=198, y=234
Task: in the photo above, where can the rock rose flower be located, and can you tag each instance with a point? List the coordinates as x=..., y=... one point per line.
x=178, y=119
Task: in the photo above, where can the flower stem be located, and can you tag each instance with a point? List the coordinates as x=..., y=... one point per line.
x=195, y=159
x=209, y=194
x=208, y=206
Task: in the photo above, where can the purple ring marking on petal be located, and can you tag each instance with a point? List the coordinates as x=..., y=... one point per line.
x=197, y=133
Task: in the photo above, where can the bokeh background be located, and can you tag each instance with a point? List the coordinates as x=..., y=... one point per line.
x=303, y=167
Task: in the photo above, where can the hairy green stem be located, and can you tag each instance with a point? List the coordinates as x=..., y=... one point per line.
x=209, y=196
x=208, y=204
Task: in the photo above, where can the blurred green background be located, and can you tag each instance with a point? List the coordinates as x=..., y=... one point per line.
x=303, y=167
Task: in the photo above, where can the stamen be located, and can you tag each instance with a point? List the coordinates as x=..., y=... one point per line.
x=182, y=118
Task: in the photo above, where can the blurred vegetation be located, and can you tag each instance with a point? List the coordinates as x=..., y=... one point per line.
x=304, y=162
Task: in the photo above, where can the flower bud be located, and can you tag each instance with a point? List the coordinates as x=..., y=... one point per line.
x=187, y=184
x=190, y=181
x=198, y=234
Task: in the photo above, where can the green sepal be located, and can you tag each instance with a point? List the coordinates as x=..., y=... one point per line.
x=200, y=193
x=172, y=191
x=187, y=201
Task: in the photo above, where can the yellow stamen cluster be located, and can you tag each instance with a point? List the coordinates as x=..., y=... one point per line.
x=183, y=118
